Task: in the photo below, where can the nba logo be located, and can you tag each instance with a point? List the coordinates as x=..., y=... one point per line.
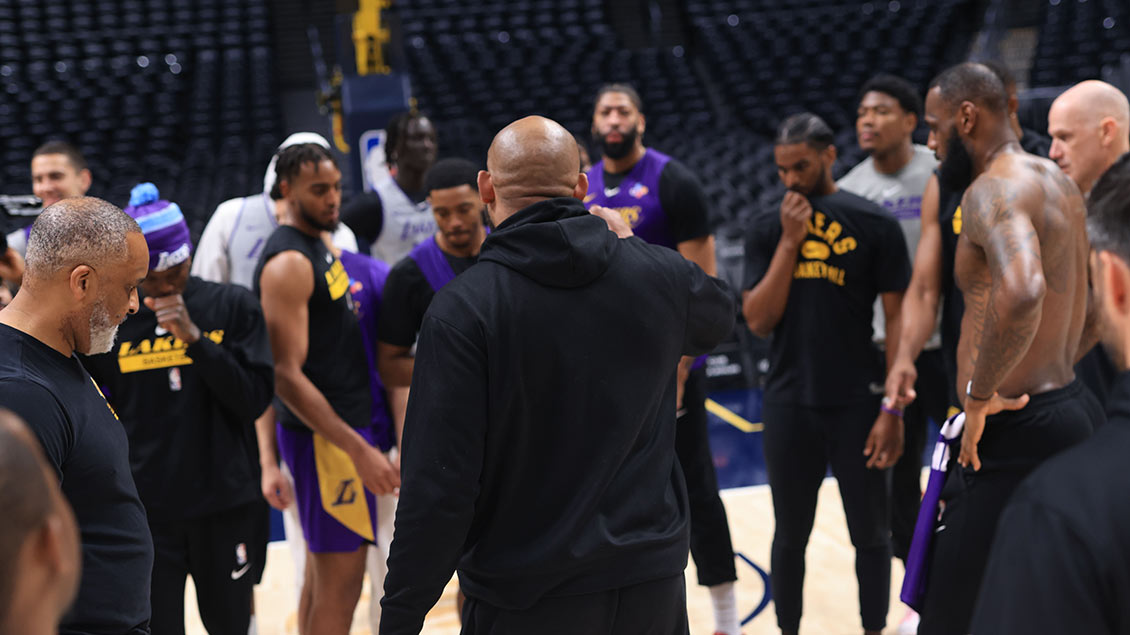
x=240, y=554
x=639, y=190
x=174, y=379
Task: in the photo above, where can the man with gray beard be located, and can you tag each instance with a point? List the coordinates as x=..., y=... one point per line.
x=85, y=259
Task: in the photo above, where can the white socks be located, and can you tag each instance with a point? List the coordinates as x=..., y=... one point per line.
x=725, y=603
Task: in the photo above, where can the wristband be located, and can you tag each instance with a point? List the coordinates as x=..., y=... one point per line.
x=885, y=406
x=970, y=395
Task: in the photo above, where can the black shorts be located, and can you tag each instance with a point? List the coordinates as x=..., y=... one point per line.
x=1013, y=444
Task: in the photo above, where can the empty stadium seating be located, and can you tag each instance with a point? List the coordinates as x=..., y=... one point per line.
x=178, y=93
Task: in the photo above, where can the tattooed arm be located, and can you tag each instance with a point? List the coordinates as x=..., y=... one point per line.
x=997, y=222
x=1010, y=308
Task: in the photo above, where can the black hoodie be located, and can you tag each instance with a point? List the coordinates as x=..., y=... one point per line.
x=539, y=455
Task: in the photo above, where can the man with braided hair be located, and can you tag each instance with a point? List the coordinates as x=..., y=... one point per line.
x=396, y=216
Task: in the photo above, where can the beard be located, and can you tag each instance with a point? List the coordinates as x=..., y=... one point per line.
x=103, y=330
x=320, y=225
x=956, y=172
x=621, y=148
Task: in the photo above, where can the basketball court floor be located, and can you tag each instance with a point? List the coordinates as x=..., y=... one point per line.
x=831, y=592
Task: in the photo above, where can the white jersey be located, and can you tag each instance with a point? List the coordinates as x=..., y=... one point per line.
x=405, y=223
x=17, y=240
x=232, y=241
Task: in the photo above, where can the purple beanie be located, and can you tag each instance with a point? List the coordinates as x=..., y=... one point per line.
x=163, y=226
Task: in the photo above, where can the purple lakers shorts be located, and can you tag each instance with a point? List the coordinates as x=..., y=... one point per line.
x=324, y=532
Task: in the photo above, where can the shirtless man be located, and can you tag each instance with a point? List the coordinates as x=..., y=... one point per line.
x=1021, y=264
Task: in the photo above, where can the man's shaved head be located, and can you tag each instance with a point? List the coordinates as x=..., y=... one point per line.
x=1090, y=128
x=74, y=231
x=530, y=160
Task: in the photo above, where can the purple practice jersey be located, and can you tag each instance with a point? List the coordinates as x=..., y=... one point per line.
x=432, y=263
x=636, y=198
x=366, y=284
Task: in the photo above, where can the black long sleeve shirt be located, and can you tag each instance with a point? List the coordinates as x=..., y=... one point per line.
x=189, y=411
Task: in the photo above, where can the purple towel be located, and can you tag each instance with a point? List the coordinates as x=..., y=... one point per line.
x=918, y=559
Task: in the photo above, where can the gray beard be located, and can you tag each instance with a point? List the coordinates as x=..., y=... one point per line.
x=102, y=330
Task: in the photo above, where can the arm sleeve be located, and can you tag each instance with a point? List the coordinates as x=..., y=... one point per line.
x=399, y=320
x=45, y=417
x=892, y=268
x=761, y=242
x=239, y=371
x=210, y=261
x=684, y=202
x=444, y=440
x=1041, y=577
x=710, y=311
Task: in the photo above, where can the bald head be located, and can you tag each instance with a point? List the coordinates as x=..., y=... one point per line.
x=530, y=160
x=1090, y=128
x=74, y=231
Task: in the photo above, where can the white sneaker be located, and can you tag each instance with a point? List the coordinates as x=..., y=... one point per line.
x=909, y=623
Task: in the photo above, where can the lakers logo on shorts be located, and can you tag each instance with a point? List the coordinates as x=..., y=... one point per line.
x=343, y=496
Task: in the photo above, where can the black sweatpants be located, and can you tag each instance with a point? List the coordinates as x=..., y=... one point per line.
x=218, y=551
x=658, y=607
x=906, y=476
x=799, y=443
x=1013, y=444
x=711, y=548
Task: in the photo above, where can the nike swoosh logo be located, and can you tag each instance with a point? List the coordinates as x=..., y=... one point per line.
x=160, y=330
x=939, y=530
x=237, y=574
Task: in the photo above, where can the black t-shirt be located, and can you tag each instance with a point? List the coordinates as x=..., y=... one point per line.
x=190, y=411
x=335, y=354
x=821, y=352
x=682, y=198
x=407, y=295
x=87, y=446
x=953, y=304
x=1060, y=562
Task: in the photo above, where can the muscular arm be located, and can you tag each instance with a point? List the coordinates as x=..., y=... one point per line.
x=287, y=281
x=394, y=363
x=920, y=305
x=764, y=304
x=701, y=252
x=998, y=222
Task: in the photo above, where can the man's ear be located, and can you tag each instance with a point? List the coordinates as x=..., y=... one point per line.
x=82, y=282
x=284, y=188
x=84, y=178
x=967, y=117
x=486, y=187
x=1108, y=130
x=642, y=124
x=909, y=122
x=582, y=188
x=830, y=155
x=1116, y=286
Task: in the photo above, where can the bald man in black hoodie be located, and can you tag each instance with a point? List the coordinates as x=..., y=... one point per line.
x=538, y=451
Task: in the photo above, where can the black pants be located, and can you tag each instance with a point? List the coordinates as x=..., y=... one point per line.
x=800, y=442
x=1013, y=444
x=711, y=548
x=651, y=608
x=218, y=551
x=906, y=477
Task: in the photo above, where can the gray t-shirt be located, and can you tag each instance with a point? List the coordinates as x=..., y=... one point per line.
x=900, y=194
